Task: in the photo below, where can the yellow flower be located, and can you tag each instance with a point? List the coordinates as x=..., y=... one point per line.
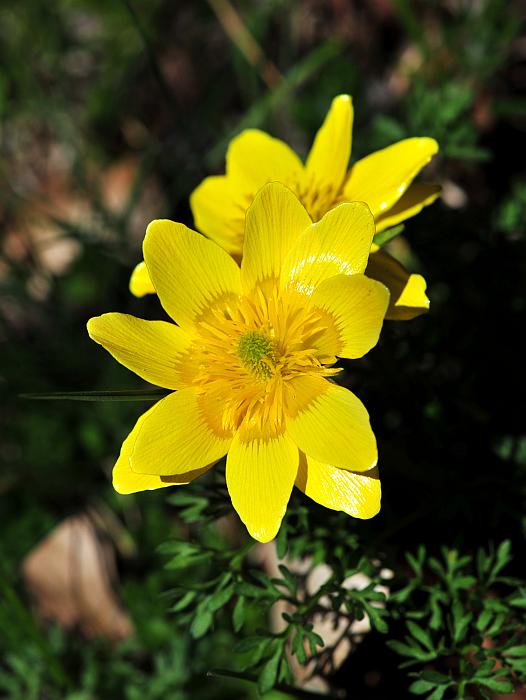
x=250, y=361
x=384, y=180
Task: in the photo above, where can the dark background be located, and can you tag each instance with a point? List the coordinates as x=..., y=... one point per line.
x=110, y=115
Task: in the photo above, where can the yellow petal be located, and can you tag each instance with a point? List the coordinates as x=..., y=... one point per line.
x=181, y=433
x=381, y=178
x=154, y=350
x=418, y=196
x=260, y=475
x=274, y=221
x=140, y=282
x=189, y=272
x=338, y=244
x=219, y=213
x=127, y=481
x=329, y=156
x=355, y=493
x=255, y=158
x=354, y=308
x=124, y=479
x=408, y=291
x=330, y=424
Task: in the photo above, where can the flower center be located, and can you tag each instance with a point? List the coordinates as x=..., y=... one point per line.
x=257, y=354
x=249, y=352
x=317, y=198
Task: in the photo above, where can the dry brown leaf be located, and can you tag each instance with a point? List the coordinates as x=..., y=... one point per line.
x=118, y=180
x=34, y=237
x=70, y=575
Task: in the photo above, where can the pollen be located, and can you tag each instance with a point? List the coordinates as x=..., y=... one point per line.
x=257, y=354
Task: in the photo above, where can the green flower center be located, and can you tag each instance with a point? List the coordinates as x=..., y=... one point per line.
x=257, y=354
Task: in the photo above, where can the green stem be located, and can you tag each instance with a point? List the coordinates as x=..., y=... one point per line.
x=105, y=395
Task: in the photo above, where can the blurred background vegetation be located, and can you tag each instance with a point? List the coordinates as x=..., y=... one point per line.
x=111, y=113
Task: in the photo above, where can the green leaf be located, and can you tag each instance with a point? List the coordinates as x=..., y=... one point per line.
x=376, y=596
x=269, y=672
x=519, y=650
x=436, y=613
x=496, y=684
x=314, y=641
x=184, y=602
x=420, y=634
x=238, y=616
x=486, y=668
x=202, y=622
x=384, y=237
x=518, y=665
x=464, y=582
x=251, y=643
x=375, y=616
x=289, y=579
x=389, y=128
x=496, y=625
x=467, y=153
x=483, y=562
x=503, y=557
x=402, y=595
x=413, y=652
x=435, y=565
x=106, y=395
x=400, y=648
x=220, y=598
x=438, y=693
x=435, y=677
x=183, y=554
x=281, y=541
x=484, y=620
x=249, y=590
x=461, y=621
x=298, y=647
x=420, y=687
x=496, y=606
